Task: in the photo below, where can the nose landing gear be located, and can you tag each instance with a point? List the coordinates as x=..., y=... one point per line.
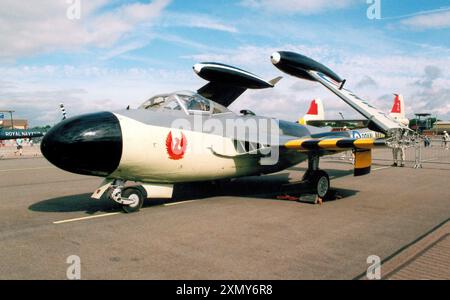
x=135, y=199
x=130, y=198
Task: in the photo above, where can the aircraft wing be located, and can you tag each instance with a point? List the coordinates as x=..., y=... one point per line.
x=361, y=147
x=380, y=119
x=333, y=144
x=220, y=93
x=227, y=83
x=306, y=68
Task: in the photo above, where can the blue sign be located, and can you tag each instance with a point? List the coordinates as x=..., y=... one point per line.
x=2, y=116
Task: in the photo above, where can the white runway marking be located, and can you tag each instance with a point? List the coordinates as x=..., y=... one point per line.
x=381, y=168
x=86, y=218
x=26, y=169
x=181, y=202
x=111, y=214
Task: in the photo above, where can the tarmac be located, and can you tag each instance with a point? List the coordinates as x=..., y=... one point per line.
x=236, y=230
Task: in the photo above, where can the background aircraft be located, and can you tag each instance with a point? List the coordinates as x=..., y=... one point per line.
x=315, y=112
x=357, y=128
x=315, y=115
x=193, y=136
x=398, y=110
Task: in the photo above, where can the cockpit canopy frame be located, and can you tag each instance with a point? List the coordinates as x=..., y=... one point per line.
x=186, y=101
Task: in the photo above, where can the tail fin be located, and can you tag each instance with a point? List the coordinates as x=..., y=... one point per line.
x=315, y=112
x=398, y=110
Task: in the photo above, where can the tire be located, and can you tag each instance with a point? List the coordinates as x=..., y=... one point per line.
x=320, y=182
x=133, y=193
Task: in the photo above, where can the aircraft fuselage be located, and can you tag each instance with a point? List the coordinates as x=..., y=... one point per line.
x=146, y=146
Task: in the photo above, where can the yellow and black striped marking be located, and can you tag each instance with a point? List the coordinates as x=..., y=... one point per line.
x=362, y=149
x=333, y=144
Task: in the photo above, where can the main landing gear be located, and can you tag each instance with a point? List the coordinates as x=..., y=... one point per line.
x=130, y=198
x=316, y=179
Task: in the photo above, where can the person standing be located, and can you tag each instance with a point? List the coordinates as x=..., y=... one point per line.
x=446, y=140
x=428, y=140
x=398, y=152
x=19, y=147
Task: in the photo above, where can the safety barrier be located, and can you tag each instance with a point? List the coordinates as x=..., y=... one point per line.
x=434, y=151
x=9, y=150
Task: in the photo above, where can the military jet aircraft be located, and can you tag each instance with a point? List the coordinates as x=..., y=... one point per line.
x=193, y=136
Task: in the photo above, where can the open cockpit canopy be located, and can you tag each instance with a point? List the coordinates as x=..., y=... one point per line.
x=186, y=101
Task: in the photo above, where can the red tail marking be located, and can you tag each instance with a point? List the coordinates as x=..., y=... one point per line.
x=396, y=108
x=313, y=109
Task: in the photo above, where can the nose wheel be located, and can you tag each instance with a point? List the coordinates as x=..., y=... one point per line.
x=135, y=199
x=130, y=198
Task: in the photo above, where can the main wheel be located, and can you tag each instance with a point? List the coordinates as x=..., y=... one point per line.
x=320, y=182
x=134, y=194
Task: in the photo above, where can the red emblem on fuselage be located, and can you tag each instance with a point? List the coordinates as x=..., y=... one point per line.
x=176, y=146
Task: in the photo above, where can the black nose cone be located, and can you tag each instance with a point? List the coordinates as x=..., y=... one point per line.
x=89, y=144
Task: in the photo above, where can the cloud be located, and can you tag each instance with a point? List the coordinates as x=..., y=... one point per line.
x=142, y=40
x=438, y=20
x=367, y=81
x=35, y=92
x=303, y=85
x=305, y=7
x=432, y=93
x=373, y=62
x=185, y=42
x=29, y=28
x=6, y=85
x=196, y=21
x=124, y=48
x=373, y=75
x=431, y=74
x=41, y=106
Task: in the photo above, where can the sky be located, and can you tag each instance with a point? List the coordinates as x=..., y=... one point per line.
x=97, y=55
